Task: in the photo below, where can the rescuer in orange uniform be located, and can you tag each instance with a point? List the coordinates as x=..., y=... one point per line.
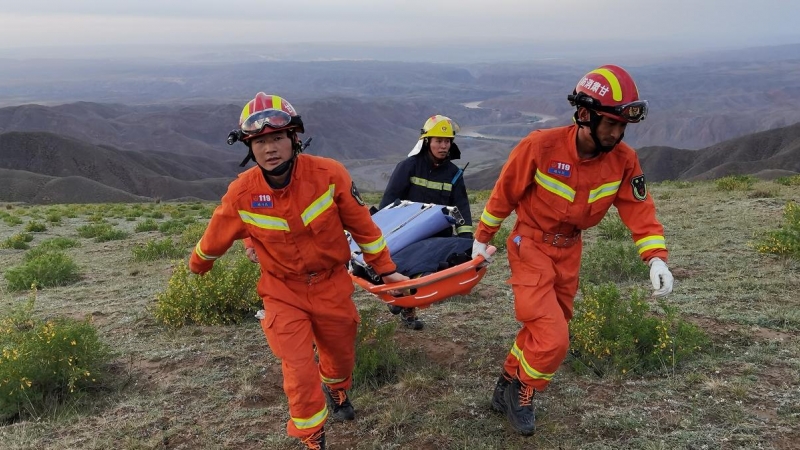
x=295, y=209
x=561, y=181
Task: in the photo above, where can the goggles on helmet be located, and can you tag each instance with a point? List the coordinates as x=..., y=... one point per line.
x=630, y=112
x=272, y=118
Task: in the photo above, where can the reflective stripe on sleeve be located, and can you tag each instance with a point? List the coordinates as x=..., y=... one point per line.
x=202, y=255
x=465, y=229
x=373, y=247
x=649, y=243
x=491, y=220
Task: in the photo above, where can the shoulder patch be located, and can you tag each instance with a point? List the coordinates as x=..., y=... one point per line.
x=639, y=187
x=356, y=194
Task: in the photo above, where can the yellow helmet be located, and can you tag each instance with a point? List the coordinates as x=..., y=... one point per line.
x=439, y=126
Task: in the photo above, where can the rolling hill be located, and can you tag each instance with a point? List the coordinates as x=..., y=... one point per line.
x=767, y=154
x=43, y=167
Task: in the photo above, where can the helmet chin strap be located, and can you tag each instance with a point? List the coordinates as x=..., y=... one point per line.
x=281, y=169
x=593, y=123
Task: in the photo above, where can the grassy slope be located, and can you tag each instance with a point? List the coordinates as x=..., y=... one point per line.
x=205, y=387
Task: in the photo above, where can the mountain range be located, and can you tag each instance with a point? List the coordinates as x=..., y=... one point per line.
x=157, y=129
x=41, y=167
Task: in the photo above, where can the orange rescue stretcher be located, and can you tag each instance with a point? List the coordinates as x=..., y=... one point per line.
x=405, y=223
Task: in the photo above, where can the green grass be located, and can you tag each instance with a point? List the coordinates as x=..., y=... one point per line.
x=210, y=387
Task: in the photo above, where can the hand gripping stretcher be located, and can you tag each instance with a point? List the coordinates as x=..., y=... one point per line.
x=405, y=225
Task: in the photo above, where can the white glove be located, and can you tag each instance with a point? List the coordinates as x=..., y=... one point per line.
x=479, y=248
x=661, y=277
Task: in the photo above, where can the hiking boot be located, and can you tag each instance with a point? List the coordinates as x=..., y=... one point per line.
x=409, y=318
x=519, y=407
x=316, y=441
x=498, y=400
x=339, y=404
x=395, y=309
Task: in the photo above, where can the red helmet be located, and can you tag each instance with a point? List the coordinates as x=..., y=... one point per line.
x=268, y=114
x=610, y=91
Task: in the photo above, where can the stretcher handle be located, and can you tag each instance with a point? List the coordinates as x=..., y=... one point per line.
x=415, y=283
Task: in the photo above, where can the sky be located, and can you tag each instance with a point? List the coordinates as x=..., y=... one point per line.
x=253, y=25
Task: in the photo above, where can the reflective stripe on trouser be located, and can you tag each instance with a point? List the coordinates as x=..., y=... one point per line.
x=297, y=316
x=544, y=280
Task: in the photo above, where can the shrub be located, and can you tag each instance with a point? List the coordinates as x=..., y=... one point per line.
x=146, y=225
x=92, y=230
x=50, y=245
x=224, y=295
x=616, y=261
x=172, y=227
x=35, y=227
x=44, y=270
x=616, y=335
x=499, y=239
x=786, y=240
x=377, y=356
x=53, y=217
x=191, y=235
x=735, y=183
x=155, y=215
x=101, y=232
x=111, y=234
x=132, y=214
x=611, y=227
x=45, y=361
x=763, y=193
x=12, y=220
x=207, y=211
x=793, y=180
x=153, y=250
x=18, y=241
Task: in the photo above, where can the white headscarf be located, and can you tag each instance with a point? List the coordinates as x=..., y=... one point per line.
x=417, y=148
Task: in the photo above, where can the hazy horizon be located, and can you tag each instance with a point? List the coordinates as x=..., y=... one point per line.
x=411, y=30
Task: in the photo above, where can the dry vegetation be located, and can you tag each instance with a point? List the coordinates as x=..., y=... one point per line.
x=220, y=387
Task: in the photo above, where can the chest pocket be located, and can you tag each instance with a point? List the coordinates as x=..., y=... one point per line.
x=602, y=197
x=265, y=228
x=553, y=192
x=602, y=192
x=321, y=215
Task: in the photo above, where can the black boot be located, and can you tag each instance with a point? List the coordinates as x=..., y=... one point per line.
x=498, y=402
x=519, y=407
x=409, y=318
x=395, y=309
x=316, y=441
x=339, y=403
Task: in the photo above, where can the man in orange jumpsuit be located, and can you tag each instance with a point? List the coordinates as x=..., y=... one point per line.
x=561, y=181
x=295, y=209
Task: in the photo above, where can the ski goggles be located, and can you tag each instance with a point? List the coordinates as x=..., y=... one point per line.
x=272, y=118
x=630, y=112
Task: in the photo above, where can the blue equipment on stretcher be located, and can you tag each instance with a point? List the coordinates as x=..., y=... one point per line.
x=412, y=225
